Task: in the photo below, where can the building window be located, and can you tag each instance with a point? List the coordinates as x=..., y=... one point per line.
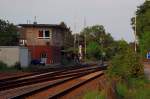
x=40, y=33
x=43, y=55
x=44, y=34
x=47, y=34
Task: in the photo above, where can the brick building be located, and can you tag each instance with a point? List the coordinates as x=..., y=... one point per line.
x=45, y=41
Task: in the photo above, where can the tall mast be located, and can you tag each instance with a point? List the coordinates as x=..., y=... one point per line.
x=85, y=38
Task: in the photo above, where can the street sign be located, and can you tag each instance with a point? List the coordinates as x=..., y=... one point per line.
x=148, y=55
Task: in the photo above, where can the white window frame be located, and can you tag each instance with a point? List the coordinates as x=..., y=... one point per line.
x=44, y=37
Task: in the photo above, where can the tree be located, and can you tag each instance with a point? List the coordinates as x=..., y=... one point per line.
x=143, y=26
x=8, y=34
x=93, y=32
x=93, y=50
x=67, y=38
x=97, y=37
x=143, y=19
x=145, y=43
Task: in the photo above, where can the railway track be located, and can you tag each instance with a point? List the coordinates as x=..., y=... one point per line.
x=41, y=78
x=39, y=83
x=38, y=72
x=38, y=77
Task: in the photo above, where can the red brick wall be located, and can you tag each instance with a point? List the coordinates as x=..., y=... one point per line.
x=53, y=53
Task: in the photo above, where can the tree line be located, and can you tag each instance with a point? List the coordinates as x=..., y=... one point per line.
x=9, y=35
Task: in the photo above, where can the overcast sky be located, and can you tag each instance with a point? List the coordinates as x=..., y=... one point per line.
x=115, y=15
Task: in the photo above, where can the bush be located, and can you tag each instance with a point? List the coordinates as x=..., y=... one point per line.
x=5, y=68
x=17, y=66
x=2, y=65
x=125, y=65
x=93, y=51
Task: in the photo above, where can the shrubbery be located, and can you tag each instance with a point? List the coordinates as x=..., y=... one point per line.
x=126, y=63
x=4, y=67
x=127, y=69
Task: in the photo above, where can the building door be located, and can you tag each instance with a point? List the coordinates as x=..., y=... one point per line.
x=43, y=58
x=25, y=57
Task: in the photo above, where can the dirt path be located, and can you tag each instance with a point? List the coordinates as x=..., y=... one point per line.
x=147, y=70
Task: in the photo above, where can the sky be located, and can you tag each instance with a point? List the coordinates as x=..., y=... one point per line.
x=115, y=15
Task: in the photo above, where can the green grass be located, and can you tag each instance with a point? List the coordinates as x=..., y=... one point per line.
x=139, y=88
x=142, y=93
x=121, y=89
x=94, y=95
x=136, y=88
x=8, y=69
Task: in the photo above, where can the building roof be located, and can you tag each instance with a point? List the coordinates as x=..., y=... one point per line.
x=44, y=25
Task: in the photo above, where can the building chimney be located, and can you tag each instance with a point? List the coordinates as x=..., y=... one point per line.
x=35, y=21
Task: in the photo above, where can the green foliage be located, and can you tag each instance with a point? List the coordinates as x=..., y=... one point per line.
x=94, y=95
x=142, y=93
x=93, y=33
x=98, y=40
x=135, y=89
x=93, y=50
x=97, y=30
x=143, y=26
x=127, y=67
x=64, y=61
x=140, y=82
x=8, y=34
x=5, y=68
x=126, y=63
x=121, y=46
x=145, y=43
x=143, y=19
x=2, y=66
x=138, y=88
x=122, y=90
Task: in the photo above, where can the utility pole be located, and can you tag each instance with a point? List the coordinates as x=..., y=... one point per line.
x=85, y=39
x=75, y=42
x=75, y=37
x=135, y=34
